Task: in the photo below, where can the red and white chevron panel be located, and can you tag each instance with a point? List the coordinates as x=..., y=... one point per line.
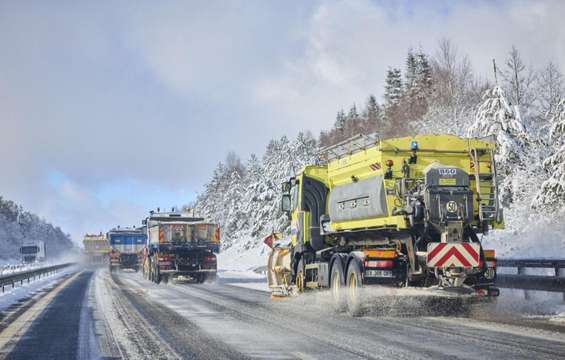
x=446, y=255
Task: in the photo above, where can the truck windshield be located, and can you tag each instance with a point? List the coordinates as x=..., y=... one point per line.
x=31, y=249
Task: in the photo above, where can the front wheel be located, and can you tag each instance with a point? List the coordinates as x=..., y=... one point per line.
x=354, y=286
x=337, y=284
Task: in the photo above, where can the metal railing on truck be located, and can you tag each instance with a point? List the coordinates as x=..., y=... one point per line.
x=13, y=279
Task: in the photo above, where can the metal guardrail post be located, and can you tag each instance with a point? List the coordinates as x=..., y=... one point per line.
x=522, y=271
x=560, y=272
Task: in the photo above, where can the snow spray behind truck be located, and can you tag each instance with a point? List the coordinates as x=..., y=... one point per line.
x=127, y=245
x=400, y=212
x=180, y=246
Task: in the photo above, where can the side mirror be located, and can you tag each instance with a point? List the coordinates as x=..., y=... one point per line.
x=144, y=222
x=285, y=203
x=285, y=186
x=325, y=224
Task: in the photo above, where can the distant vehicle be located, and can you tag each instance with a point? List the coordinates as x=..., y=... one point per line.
x=33, y=252
x=126, y=246
x=96, y=249
x=180, y=246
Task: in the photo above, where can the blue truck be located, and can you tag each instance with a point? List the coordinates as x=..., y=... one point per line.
x=126, y=246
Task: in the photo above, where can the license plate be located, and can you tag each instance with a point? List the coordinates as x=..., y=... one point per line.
x=378, y=273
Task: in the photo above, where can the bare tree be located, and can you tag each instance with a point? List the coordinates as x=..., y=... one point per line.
x=550, y=89
x=518, y=80
x=444, y=70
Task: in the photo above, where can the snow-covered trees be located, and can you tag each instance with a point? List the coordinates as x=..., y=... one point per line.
x=550, y=87
x=432, y=94
x=552, y=193
x=496, y=117
x=454, y=94
x=17, y=226
x=246, y=203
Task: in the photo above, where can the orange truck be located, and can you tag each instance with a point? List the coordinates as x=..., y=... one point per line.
x=180, y=246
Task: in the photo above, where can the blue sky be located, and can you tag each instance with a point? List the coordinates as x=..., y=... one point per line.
x=109, y=109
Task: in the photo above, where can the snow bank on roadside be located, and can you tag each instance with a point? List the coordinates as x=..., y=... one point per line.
x=236, y=267
x=246, y=279
x=238, y=258
x=27, y=290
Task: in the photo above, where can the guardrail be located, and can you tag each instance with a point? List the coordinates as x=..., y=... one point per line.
x=13, y=279
x=521, y=280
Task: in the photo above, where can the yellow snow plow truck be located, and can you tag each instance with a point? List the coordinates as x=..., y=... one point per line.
x=397, y=212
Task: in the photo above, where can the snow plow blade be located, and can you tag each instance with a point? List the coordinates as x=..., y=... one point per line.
x=279, y=271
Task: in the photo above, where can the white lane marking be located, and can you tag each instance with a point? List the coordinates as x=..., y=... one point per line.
x=303, y=356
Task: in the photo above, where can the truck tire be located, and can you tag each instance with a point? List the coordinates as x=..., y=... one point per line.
x=354, y=286
x=299, y=279
x=337, y=286
x=157, y=275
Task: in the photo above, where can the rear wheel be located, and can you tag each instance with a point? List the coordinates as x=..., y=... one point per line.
x=156, y=274
x=300, y=276
x=337, y=283
x=354, y=285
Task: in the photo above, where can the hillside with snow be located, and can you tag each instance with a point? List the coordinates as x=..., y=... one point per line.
x=18, y=226
x=524, y=110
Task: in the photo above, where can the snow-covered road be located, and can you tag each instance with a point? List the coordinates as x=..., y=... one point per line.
x=102, y=315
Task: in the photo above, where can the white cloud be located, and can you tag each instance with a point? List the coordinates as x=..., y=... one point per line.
x=350, y=44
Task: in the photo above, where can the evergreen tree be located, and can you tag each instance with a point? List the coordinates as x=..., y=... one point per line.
x=552, y=193
x=340, y=120
x=411, y=69
x=353, y=115
x=373, y=112
x=423, y=75
x=393, y=87
x=495, y=117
